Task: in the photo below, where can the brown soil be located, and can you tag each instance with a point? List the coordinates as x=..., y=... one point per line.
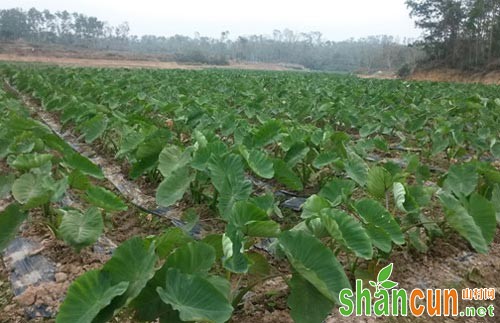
x=130, y=63
x=451, y=75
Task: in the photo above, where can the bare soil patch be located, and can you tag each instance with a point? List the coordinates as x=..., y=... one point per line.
x=133, y=63
x=453, y=75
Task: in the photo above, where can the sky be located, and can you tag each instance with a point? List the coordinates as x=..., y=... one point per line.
x=335, y=19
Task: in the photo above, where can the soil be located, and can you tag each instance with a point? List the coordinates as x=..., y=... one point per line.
x=451, y=75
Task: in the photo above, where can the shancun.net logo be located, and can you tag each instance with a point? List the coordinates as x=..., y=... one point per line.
x=387, y=300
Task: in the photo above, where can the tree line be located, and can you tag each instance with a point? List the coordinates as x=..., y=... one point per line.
x=282, y=46
x=462, y=34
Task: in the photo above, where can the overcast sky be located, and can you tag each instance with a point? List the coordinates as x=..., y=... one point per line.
x=335, y=19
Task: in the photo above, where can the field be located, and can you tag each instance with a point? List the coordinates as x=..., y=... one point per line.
x=216, y=195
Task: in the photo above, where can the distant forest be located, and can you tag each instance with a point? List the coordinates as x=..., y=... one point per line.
x=461, y=34
x=282, y=46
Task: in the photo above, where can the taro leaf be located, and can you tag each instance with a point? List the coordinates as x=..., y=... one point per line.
x=105, y=199
x=29, y=191
x=495, y=199
x=94, y=127
x=313, y=206
x=324, y=158
x=286, y=176
x=337, y=190
x=315, y=263
x=495, y=150
x=356, y=169
x=194, y=257
x=142, y=165
x=59, y=188
x=173, y=187
x=129, y=143
x=374, y=213
x=348, y=231
x=10, y=221
x=461, y=179
x=460, y=220
x=439, y=143
x=83, y=164
x=483, y=213
x=259, y=266
x=132, y=262
x=266, y=133
x=6, y=182
x=28, y=161
x=228, y=177
x=87, y=296
x=171, y=239
x=202, y=156
x=253, y=221
x=233, y=248
x=258, y=162
x=306, y=303
x=80, y=230
x=148, y=304
x=171, y=159
x=399, y=193
x=215, y=240
x=380, y=238
x=379, y=180
x=195, y=297
x=296, y=153
x=78, y=180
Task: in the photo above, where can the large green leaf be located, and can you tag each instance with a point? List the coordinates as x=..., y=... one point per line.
x=313, y=206
x=87, y=296
x=194, y=297
x=6, y=182
x=495, y=199
x=296, y=153
x=347, y=231
x=105, y=199
x=233, y=250
x=173, y=187
x=10, y=221
x=29, y=191
x=228, y=176
x=266, y=133
x=372, y=212
x=94, y=127
x=81, y=229
x=171, y=159
x=258, y=162
x=461, y=179
x=83, y=164
x=483, y=213
x=286, y=176
x=194, y=257
x=460, y=220
x=356, y=169
x=253, y=221
x=307, y=304
x=399, y=193
x=132, y=262
x=171, y=239
x=379, y=180
x=337, y=190
x=29, y=161
x=314, y=262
